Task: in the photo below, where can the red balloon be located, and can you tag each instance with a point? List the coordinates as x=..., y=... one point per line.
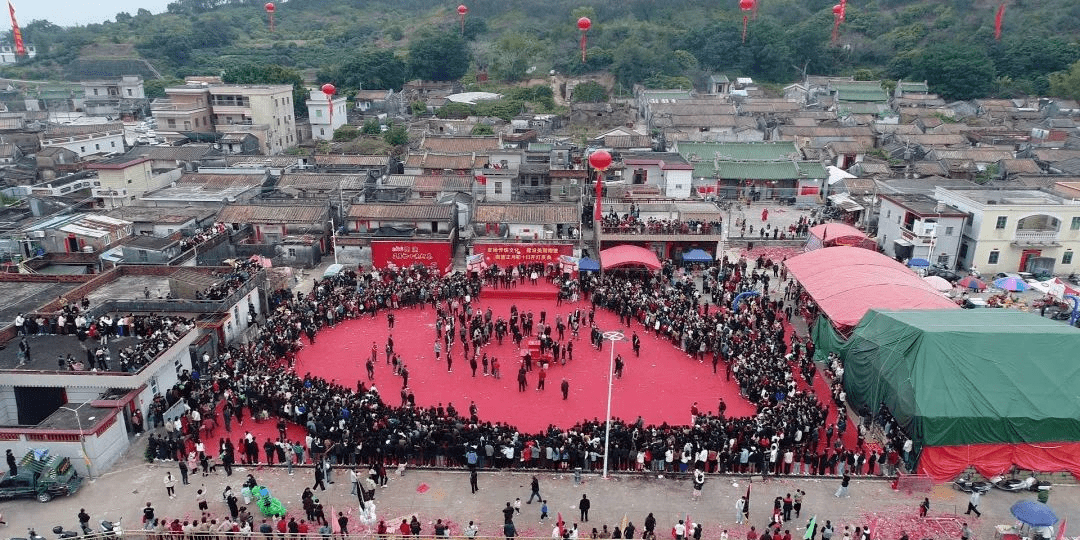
x=837, y=9
x=746, y=5
x=584, y=23
x=462, y=9
x=600, y=159
x=329, y=89
x=270, y=7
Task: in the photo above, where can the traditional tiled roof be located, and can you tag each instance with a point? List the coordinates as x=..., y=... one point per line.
x=420, y=212
x=527, y=213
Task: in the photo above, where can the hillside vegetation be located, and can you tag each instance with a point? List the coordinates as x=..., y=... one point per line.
x=382, y=44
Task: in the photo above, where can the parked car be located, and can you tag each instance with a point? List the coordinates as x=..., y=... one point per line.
x=944, y=273
x=42, y=477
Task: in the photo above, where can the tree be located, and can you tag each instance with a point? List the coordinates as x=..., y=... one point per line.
x=482, y=129
x=371, y=69
x=513, y=54
x=956, y=71
x=371, y=127
x=589, y=92
x=396, y=135
x=438, y=57
x=346, y=133
x=1066, y=83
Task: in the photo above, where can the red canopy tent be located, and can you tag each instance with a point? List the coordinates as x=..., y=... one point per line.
x=619, y=256
x=838, y=234
x=846, y=282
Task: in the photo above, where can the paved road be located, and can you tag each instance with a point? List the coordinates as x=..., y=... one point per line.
x=445, y=494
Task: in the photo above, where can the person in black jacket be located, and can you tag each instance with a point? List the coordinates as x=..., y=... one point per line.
x=584, y=506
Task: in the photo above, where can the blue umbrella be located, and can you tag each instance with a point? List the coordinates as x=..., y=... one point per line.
x=918, y=263
x=1010, y=284
x=1034, y=513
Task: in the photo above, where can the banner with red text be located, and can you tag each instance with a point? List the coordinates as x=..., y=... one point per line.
x=512, y=254
x=407, y=253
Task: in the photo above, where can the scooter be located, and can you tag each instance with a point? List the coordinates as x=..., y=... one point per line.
x=62, y=534
x=964, y=483
x=31, y=535
x=111, y=530
x=1014, y=484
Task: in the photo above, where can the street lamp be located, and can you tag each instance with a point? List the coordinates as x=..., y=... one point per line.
x=612, y=336
x=82, y=440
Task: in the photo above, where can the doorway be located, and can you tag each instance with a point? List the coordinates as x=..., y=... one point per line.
x=1027, y=254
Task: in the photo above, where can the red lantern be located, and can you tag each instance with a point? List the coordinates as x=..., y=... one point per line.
x=600, y=160
x=583, y=24
x=461, y=11
x=270, y=9
x=746, y=6
x=330, y=90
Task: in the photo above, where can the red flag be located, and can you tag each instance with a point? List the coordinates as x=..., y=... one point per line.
x=20, y=50
x=997, y=20
x=598, y=214
x=562, y=524
x=1061, y=529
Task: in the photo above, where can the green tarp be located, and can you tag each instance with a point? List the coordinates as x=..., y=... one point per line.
x=965, y=376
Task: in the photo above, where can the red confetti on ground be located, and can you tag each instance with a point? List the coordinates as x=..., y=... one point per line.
x=895, y=525
x=773, y=253
x=422, y=488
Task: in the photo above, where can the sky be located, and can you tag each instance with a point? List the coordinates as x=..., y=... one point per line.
x=78, y=12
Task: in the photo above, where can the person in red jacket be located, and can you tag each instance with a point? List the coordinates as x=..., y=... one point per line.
x=404, y=529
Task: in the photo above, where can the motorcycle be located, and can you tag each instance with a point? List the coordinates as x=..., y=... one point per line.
x=1015, y=484
x=31, y=535
x=110, y=529
x=965, y=484
x=62, y=534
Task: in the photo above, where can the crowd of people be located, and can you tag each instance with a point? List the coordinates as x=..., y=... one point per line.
x=360, y=426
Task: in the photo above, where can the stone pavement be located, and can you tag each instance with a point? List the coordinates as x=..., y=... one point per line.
x=445, y=495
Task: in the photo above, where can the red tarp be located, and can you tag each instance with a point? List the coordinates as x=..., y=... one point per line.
x=838, y=234
x=846, y=282
x=627, y=255
x=948, y=462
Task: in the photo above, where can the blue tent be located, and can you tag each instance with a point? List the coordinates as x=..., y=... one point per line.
x=696, y=256
x=918, y=263
x=586, y=264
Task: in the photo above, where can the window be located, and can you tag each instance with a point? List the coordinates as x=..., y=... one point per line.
x=143, y=256
x=292, y=252
x=948, y=231
x=318, y=113
x=129, y=92
x=171, y=122
x=943, y=259
x=1075, y=223
x=113, y=144
x=1001, y=220
x=1066, y=258
x=82, y=149
x=97, y=146
x=322, y=131
x=993, y=259
x=498, y=188
x=888, y=214
x=95, y=91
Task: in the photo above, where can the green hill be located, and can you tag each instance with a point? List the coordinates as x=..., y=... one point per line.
x=948, y=42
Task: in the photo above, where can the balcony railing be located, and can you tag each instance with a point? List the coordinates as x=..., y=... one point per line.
x=1034, y=236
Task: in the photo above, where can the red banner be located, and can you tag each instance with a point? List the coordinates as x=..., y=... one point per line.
x=511, y=254
x=408, y=253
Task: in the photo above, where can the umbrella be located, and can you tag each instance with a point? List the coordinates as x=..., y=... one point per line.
x=1034, y=513
x=972, y=282
x=1011, y=284
x=938, y=283
x=918, y=263
x=696, y=255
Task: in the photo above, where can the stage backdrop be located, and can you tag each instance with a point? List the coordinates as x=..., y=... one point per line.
x=408, y=253
x=512, y=254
